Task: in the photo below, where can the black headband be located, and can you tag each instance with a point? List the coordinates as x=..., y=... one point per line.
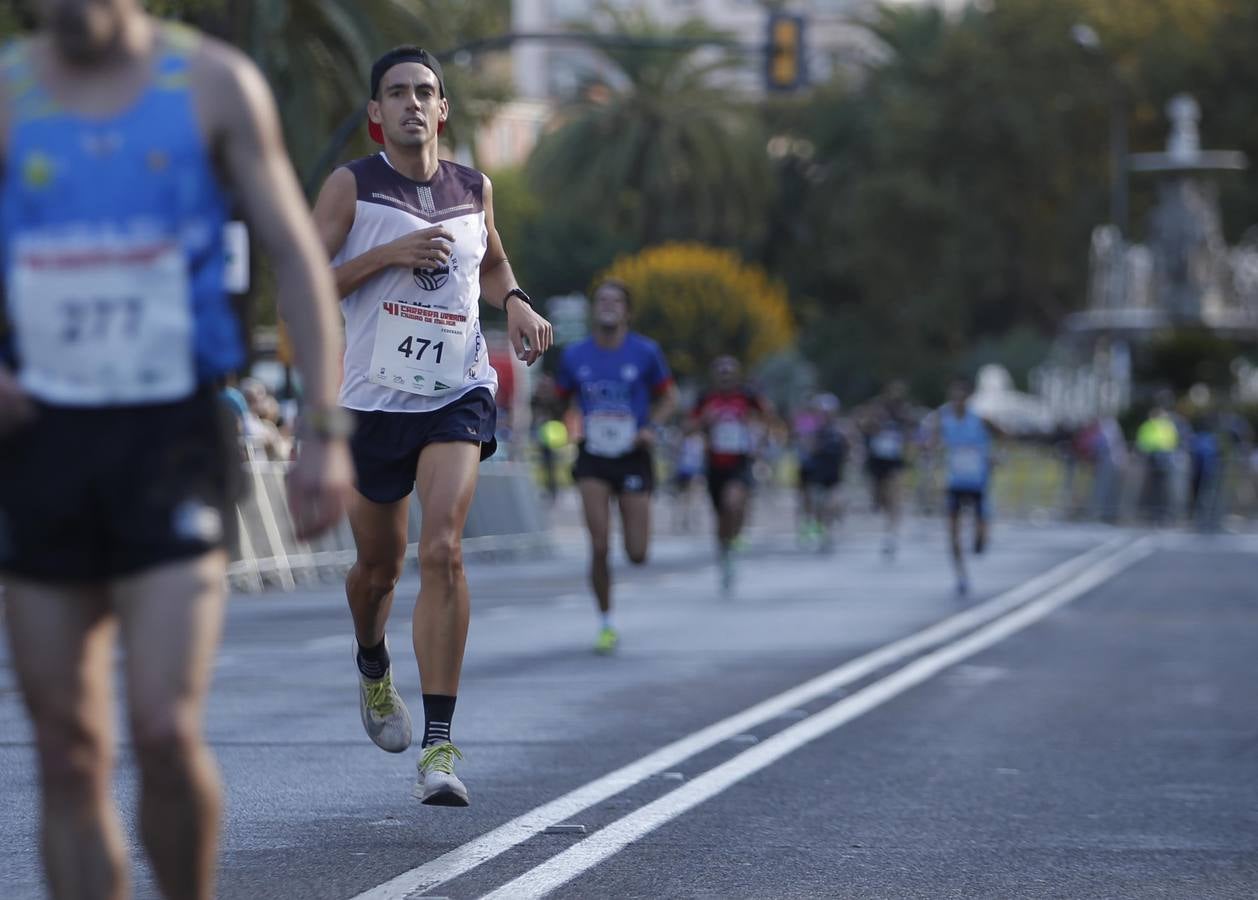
x=401, y=55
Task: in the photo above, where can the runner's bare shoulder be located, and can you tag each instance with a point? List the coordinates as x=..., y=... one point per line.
x=12, y=54
x=229, y=89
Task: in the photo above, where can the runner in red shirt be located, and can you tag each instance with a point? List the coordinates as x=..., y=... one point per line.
x=726, y=415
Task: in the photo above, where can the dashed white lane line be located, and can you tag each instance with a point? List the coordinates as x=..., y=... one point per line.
x=456, y=862
x=609, y=840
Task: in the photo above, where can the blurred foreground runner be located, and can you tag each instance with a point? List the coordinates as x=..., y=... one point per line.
x=625, y=392
x=121, y=136
x=414, y=248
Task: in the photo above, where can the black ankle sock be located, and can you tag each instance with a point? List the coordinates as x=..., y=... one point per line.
x=373, y=662
x=438, y=711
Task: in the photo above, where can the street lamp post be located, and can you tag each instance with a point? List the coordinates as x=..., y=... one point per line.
x=1087, y=38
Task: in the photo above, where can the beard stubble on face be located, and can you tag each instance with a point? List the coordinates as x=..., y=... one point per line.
x=85, y=33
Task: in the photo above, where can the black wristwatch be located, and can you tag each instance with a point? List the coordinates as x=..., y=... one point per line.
x=516, y=292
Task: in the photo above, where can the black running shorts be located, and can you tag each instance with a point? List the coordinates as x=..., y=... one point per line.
x=959, y=498
x=820, y=471
x=633, y=473
x=882, y=469
x=96, y=494
x=386, y=445
x=718, y=478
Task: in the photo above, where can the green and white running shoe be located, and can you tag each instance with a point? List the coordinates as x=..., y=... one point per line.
x=437, y=784
x=607, y=641
x=385, y=717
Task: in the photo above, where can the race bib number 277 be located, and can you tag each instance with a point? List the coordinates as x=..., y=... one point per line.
x=99, y=326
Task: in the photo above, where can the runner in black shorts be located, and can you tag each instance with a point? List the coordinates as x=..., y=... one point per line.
x=632, y=473
x=624, y=390
x=821, y=469
x=118, y=470
x=887, y=424
x=966, y=438
x=414, y=248
x=725, y=415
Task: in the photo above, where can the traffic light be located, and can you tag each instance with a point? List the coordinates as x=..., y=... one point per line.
x=784, y=59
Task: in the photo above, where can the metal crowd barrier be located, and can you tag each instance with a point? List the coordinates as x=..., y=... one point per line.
x=505, y=519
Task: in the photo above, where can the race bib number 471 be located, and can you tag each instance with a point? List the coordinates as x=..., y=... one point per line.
x=418, y=349
x=101, y=326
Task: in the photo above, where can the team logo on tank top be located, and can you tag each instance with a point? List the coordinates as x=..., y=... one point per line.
x=435, y=279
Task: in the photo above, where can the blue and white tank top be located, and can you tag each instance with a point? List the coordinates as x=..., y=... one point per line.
x=967, y=447
x=111, y=236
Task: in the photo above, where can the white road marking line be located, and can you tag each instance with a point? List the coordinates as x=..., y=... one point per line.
x=452, y=864
x=584, y=855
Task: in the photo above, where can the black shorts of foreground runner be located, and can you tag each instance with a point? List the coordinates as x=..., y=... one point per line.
x=101, y=493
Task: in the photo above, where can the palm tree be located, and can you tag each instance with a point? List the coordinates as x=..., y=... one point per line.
x=661, y=150
x=316, y=54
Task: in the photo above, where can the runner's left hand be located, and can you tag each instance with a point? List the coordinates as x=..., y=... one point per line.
x=530, y=334
x=646, y=437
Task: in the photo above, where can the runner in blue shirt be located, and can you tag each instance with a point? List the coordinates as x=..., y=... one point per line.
x=967, y=442
x=124, y=141
x=624, y=390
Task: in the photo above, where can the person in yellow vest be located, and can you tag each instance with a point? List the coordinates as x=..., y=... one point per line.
x=1157, y=440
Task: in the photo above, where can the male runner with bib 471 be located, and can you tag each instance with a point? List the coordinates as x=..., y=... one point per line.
x=414, y=248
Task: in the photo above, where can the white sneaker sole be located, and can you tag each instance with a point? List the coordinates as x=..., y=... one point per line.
x=445, y=794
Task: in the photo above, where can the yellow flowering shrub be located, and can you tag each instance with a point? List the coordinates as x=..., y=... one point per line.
x=699, y=302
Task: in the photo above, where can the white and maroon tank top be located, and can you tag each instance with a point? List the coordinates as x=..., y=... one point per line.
x=413, y=341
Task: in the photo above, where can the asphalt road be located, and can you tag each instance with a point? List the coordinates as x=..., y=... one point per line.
x=1086, y=725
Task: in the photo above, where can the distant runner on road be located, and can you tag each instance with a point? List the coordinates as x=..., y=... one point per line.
x=625, y=392
x=967, y=442
x=823, y=454
x=725, y=415
x=888, y=425
x=414, y=248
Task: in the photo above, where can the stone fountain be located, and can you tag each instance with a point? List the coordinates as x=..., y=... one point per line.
x=1183, y=276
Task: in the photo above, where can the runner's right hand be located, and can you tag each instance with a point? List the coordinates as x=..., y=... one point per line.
x=427, y=248
x=15, y=407
x=320, y=484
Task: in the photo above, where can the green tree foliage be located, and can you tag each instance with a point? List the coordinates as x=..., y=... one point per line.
x=1183, y=358
x=948, y=197
x=316, y=55
x=553, y=249
x=701, y=302
x=662, y=151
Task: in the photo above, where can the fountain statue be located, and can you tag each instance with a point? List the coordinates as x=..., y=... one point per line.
x=1185, y=275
